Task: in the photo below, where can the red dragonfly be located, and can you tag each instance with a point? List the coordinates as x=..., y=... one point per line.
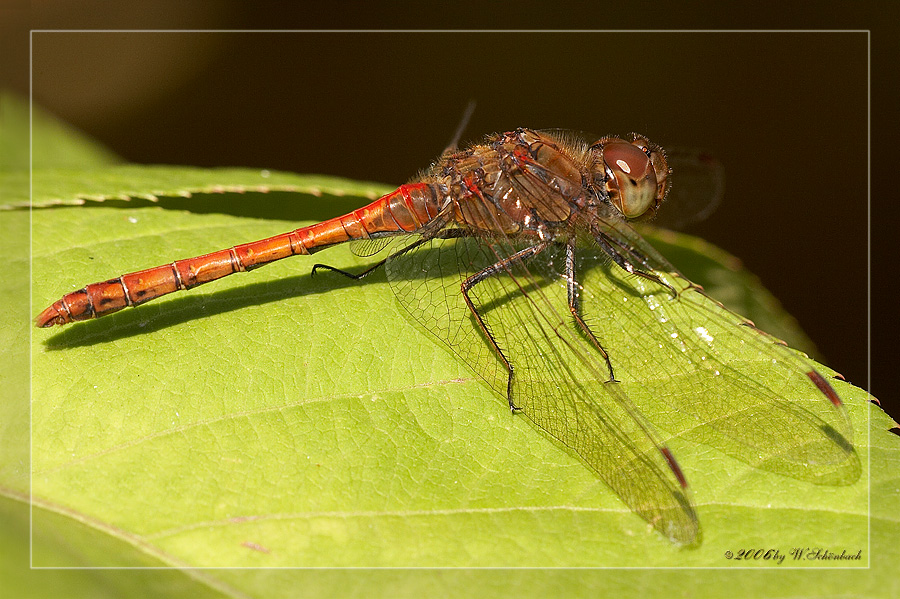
x=498, y=249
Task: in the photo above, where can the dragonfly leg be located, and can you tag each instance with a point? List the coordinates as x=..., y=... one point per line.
x=575, y=308
x=609, y=246
x=468, y=284
x=349, y=275
x=371, y=269
x=657, y=279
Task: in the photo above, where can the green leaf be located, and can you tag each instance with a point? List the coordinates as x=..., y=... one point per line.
x=73, y=537
x=59, y=186
x=68, y=540
x=276, y=419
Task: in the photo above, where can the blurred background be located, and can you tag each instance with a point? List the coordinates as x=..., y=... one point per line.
x=786, y=114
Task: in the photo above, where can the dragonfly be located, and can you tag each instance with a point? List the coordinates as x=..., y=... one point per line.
x=518, y=253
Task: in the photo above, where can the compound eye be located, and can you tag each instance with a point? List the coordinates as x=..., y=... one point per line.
x=631, y=178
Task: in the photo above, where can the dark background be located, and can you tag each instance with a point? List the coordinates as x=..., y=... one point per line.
x=786, y=113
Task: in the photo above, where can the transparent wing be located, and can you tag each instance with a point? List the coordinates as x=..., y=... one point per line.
x=559, y=379
x=710, y=375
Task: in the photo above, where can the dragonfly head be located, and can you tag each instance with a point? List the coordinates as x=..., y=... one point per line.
x=634, y=174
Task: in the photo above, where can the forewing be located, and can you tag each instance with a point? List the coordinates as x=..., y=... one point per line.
x=560, y=380
x=710, y=375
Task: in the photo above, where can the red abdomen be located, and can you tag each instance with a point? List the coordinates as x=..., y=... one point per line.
x=404, y=210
